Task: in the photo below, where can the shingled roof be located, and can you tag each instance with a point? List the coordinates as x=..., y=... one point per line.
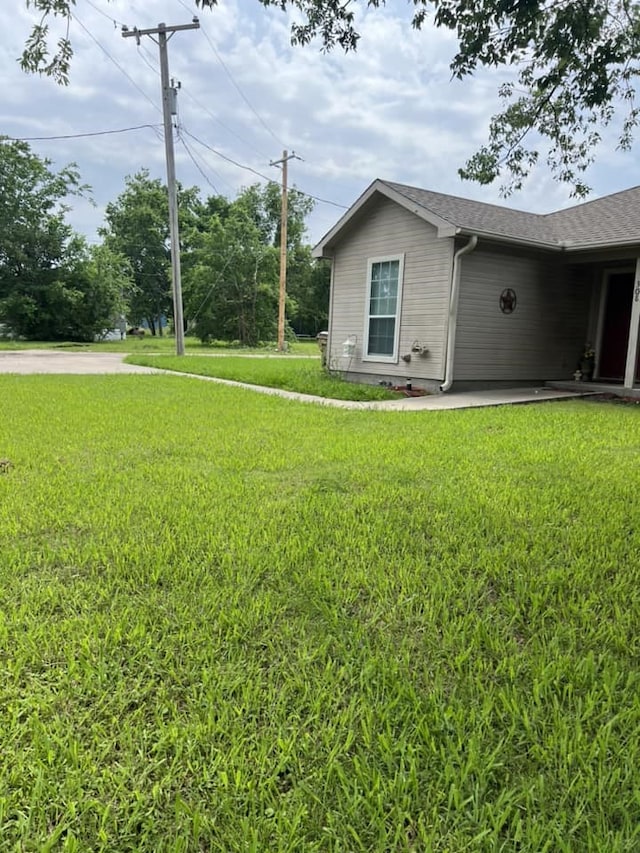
x=613, y=220
x=477, y=217
x=607, y=221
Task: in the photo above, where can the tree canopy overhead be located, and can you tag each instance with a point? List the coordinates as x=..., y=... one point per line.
x=576, y=64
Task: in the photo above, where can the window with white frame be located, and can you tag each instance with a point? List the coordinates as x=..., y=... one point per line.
x=383, y=308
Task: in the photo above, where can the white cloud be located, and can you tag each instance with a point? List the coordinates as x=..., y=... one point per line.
x=390, y=110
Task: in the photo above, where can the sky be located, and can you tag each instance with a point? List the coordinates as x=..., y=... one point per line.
x=388, y=111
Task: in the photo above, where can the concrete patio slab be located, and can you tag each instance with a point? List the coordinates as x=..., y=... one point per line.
x=597, y=387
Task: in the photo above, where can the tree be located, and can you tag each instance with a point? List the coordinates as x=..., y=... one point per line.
x=263, y=205
x=33, y=232
x=231, y=274
x=308, y=284
x=102, y=284
x=86, y=297
x=577, y=62
x=137, y=227
x=231, y=281
x=51, y=285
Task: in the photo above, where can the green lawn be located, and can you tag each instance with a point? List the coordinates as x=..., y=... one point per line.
x=232, y=622
x=165, y=344
x=304, y=375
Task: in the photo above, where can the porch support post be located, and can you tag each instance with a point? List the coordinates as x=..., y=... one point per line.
x=632, y=349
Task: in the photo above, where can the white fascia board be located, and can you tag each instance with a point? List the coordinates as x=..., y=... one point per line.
x=502, y=238
x=319, y=250
x=599, y=245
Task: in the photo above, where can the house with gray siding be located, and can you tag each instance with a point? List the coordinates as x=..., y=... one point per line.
x=447, y=292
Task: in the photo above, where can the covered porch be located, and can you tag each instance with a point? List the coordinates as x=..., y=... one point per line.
x=616, y=390
x=613, y=331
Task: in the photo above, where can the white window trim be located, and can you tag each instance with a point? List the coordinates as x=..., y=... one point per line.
x=387, y=359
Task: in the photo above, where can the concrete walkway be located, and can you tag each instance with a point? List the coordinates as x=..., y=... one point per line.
x=451, y=400
x=65, y=362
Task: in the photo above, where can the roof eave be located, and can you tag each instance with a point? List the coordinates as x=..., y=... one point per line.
x=598, y=245
x=504, y=238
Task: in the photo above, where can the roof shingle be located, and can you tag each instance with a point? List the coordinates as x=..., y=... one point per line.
x=611, y=220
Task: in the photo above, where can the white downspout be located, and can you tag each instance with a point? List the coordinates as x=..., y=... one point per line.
x=453, y=311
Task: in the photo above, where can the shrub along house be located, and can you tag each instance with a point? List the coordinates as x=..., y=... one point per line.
x=446, y=292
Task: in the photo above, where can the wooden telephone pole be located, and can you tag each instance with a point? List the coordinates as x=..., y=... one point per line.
x=169, y=95
x=282, y=296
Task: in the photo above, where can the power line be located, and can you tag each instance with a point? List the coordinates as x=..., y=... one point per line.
x=196, y=164
x=241, y=93
x=202, y=107
x=235, y=85
x=228, y=159
x=239, y=90
x=215, y=283
x=81, y=135
x=323, y=200
x=159, y=132
x=147, y=62
x=221, y=123
x=115, y=62
x=260, y=174
x=116, y=23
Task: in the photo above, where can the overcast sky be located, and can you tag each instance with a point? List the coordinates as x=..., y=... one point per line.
x=388, y=111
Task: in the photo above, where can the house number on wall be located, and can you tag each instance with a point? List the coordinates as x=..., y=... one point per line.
x=508, y=301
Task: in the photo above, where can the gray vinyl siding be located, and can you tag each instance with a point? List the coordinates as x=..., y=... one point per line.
x=390, y=230
x=541, y=340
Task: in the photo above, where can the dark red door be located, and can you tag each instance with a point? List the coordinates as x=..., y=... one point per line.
x=615, y=329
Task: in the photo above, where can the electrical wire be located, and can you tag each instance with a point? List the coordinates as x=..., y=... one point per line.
x=228, y=159
x=241, y=93
x=154, y=127
x=205, y=165
x=141, y=54
x=115, y=62
x=260, y=174
x=214, y=285
x=323, y=200
x=81, y=135
x=116, y=23
x=222, y=124
x=231, y=78
x=196, y=164
x=149, y=61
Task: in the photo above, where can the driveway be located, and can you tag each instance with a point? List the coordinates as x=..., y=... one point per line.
x=63, y=361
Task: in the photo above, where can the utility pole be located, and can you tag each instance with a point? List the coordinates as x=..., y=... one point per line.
x=169, y=108
x=282, y=296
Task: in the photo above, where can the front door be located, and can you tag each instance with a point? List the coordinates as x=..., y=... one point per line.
x=615, y=327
